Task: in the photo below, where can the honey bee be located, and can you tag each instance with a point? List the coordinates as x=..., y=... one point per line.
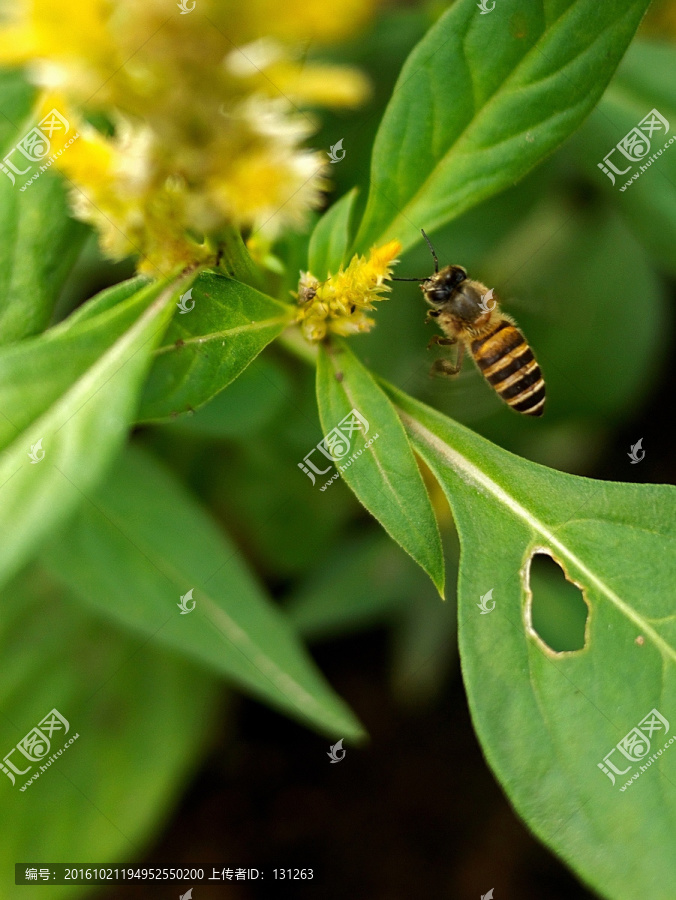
x=462, y=311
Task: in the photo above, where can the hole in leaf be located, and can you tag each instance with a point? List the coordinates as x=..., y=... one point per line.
x=558, y=610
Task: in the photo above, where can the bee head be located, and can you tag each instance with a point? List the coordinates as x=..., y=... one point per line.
x=452, y=291
x=441, y=287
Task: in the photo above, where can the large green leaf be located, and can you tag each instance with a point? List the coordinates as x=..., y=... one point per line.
x=67, y=398
x=381, y=468
x=141, y=543
x=209, y=346
x=481, y=100
x=141, y=717
x=547, y=719
x=39, y=241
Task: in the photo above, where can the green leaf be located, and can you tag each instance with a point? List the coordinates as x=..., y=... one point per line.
x=99, y=800
x=104, y=300
x=16, y=101
x=67, y=398
x=645, y=80
x=330, y=238
x=39, y=241
x=547, y=719
x=209, y=346
x=481, y=100
x=382, y=470
x=141, y=543
x=39, y=244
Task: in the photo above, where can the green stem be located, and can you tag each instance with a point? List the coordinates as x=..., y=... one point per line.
x=293, y=341
x=235, y=260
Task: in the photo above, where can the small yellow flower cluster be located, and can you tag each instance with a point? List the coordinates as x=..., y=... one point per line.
x=338, y=304
x=202, y=98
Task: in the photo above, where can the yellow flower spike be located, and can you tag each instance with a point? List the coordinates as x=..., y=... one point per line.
x=338, y=304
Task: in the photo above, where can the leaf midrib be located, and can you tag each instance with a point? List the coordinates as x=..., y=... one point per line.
x=229, y=332
x=386, y=480
x=461, y=464
x=89, y=379
x=304, y=702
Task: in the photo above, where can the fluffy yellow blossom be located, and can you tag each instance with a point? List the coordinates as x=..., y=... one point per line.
x=204, y=107
x=339, y=304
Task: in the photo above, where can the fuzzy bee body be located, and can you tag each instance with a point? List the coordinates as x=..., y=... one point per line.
x=461, y=309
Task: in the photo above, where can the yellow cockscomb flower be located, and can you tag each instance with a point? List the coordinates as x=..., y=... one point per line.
x=339, y=304
x=207, y=130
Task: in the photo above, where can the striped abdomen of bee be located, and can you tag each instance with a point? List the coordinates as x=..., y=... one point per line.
x=508, y=364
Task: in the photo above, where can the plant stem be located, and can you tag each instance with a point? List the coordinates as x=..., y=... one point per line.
x=293, y=341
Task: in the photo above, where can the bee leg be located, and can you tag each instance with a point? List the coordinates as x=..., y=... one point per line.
x=442, y=341
x=446, y=367
x=432, y=314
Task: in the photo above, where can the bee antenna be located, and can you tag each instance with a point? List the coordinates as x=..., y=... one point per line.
x=434, y=255
x=419, y=280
